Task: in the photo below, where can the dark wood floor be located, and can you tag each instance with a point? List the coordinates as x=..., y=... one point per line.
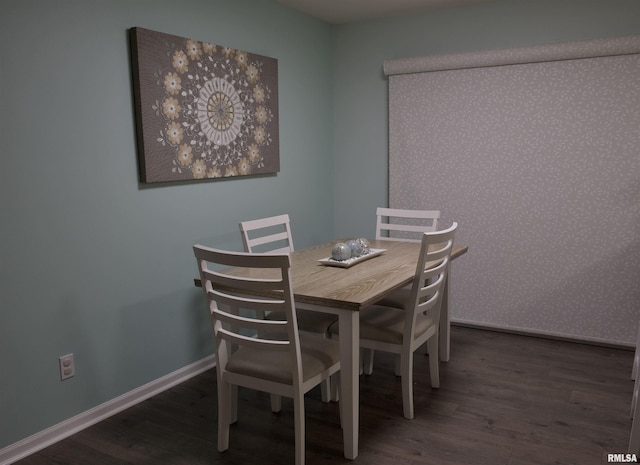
x=504, y=400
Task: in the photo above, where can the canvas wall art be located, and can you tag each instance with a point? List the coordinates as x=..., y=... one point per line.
x=203, y=110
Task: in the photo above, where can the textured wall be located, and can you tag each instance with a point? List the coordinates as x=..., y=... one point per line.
x=539, y=164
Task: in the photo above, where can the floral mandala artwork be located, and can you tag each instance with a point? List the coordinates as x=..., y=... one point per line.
x=202, y=110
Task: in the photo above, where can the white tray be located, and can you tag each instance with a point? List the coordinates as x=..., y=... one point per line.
x=352, y=261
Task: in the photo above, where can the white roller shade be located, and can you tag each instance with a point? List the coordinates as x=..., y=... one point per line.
x=536, y=153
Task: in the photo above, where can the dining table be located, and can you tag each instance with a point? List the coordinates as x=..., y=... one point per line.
x=320, y=284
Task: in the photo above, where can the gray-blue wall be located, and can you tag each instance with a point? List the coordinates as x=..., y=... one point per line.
x=95, y=264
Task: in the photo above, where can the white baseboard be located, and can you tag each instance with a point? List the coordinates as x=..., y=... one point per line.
x=39, y=441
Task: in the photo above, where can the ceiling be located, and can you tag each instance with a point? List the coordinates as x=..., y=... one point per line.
x=348, y=11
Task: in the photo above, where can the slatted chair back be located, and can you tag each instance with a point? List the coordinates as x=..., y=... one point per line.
x=406, y=225
x=272, y=234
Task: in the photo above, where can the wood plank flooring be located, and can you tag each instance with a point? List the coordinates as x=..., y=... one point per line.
x=504, y=400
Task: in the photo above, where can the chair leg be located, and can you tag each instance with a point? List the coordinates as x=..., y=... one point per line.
x=367, y=361
x=224, y=413
x=276, y=403
x=406, y=362
x=434, y=362
x=335, y=387
x=234, y=404
x=325, y=390
x=298, y=413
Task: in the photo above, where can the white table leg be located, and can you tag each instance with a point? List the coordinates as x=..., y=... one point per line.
x=445, y=320
x=349, y=380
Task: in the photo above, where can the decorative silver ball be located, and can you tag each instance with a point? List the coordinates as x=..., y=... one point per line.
x=364, y=245
x=341, y=252
x=356, y=248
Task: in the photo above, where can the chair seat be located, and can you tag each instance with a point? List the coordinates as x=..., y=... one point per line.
x=310, y=321
x=386, y=324
x=318, y=355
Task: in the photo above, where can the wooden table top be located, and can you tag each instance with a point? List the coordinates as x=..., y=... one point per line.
x=358, y=286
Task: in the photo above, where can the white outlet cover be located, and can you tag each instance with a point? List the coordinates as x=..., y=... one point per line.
x=67, y=367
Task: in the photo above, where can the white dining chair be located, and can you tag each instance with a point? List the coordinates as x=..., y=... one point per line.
x=402, y=332
x=273, y=235
x=267, y=235
x=396, y=224
x=399, y=225
x=278, y=359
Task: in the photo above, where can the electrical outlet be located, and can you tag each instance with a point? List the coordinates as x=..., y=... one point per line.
x=67, y=367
